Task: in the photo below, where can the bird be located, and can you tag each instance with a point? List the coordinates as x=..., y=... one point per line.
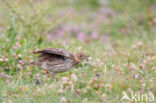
x=58, y=60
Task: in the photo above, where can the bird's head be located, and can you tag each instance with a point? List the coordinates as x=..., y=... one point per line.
x=80, y=56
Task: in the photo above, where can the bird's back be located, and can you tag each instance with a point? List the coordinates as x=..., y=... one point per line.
x=56, y=64
x=54, y=61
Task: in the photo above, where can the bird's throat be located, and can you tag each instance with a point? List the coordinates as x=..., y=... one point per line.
x=77, y=60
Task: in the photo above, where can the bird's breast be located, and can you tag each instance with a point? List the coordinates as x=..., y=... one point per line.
x=59, y=66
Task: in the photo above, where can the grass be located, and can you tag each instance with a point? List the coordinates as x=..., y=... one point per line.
x=121, y=43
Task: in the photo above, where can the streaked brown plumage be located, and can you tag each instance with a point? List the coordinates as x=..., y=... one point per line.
x=56, y=60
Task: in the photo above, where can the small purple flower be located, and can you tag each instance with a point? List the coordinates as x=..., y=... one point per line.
x=66, y=28
x=21, y=61
x=1, y=28
x=29, y=73
x=75, y=29
x=1, y=74
x=59, y=33
x=95, y=35
x=1, y=59
x=4, y=75
x=38, y=76
x=95, y=27
x=123, y=30
x=81, y=36
x=6, y=59
x=7, y=76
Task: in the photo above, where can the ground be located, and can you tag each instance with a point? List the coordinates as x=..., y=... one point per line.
x=119, y=36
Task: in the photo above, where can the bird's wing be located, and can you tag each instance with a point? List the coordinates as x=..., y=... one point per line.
x=53, y=51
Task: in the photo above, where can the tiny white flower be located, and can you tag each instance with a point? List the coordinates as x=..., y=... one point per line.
x=51, y=86
x=6, y=59
x=136, y=76
x=65, y=80
x=63, y=100
x=150, y=80
x=74, y=77
x=19, y=55
x=143, y=84
x=1, y=60
x=80, y=48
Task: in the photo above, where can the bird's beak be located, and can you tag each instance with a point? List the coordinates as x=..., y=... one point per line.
x=87, y=56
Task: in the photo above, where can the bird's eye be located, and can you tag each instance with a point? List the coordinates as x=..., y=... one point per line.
x=81, y=56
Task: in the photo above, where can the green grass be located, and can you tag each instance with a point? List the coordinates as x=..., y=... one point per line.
x=124, y=61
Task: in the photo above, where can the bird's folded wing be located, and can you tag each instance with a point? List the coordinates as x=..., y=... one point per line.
x=54, y=51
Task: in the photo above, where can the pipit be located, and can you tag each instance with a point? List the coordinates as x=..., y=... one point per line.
x=56, y=60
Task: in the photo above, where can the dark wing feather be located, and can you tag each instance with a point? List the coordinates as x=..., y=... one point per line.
x=53, y=51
